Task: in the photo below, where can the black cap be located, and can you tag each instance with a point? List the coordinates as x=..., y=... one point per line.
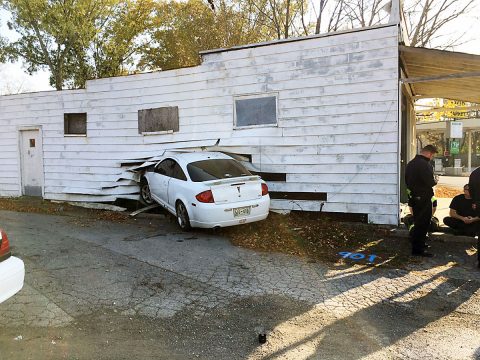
x=430, y=148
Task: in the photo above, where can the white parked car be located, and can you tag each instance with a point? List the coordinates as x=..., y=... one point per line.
x=206, y=189
x=12, y=270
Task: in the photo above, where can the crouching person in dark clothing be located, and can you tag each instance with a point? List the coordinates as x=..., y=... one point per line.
x=463, y=219
x=420, y=181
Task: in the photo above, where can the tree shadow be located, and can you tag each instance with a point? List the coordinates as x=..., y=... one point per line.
x=383, y=324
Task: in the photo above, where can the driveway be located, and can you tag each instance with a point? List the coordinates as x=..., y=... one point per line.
x=143, y=290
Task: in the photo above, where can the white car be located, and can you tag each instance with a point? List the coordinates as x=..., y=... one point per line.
x=12, y=270
x=206, y=190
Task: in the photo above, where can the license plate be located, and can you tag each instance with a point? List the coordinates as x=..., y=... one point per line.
x=243, y=211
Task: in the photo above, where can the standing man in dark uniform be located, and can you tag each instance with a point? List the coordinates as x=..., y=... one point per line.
x=474, y=185
x=420, y=181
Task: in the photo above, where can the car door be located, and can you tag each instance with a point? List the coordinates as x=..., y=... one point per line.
x=159, y=180
x=177, y=184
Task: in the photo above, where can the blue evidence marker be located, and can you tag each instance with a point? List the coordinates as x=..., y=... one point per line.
x=356, y=256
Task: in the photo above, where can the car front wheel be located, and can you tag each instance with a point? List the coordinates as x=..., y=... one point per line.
x=182, y=216
x=145, y=195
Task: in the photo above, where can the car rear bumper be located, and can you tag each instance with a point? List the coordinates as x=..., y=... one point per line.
x=12, y=275
x=214, y=215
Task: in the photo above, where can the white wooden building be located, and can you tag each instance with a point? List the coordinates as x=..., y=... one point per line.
x=331, y=142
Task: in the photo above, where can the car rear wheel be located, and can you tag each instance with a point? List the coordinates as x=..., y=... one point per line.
x=145, y=195
x=182, y=216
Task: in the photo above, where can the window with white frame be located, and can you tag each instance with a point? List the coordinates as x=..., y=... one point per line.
x=256, y=110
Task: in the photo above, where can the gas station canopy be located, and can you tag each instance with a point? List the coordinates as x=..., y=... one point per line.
x=443, y=74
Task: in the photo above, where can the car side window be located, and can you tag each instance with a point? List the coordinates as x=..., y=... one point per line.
x=165, y=167
x=170, y=168
x=178, y=172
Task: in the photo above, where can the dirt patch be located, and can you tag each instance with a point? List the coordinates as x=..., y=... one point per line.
x=320, y=238
x=38, y=205
x=446, y=192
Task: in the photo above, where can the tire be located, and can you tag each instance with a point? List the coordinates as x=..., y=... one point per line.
x=182, y=216
x=145, y=195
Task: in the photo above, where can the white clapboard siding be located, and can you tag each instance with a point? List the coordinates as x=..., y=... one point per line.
x=355, y=159
x=362, y=178
x=330, y=168
x=336, y=131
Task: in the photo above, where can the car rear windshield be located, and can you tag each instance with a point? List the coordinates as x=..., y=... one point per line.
x=215, y=169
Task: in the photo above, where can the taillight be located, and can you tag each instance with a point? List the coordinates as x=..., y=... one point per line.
x=4, y=245
x=205, y=197
x=264, y=189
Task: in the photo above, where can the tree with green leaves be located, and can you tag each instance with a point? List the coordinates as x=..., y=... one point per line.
x=182, y=29
x=76, y=39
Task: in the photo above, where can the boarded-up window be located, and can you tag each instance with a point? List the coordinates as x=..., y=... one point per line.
x=75, y=124
x=254, y=111
x=159, y=119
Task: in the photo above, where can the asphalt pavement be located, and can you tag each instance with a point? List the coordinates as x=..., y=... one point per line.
x=145, y=290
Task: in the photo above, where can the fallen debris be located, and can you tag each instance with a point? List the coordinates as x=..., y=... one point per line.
x=97, y=206
x=153, y=206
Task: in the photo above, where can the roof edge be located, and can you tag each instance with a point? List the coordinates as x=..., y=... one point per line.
x=424, y=50
x=283, y=41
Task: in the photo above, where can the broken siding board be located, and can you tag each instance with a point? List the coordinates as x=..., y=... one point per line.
x=119, y=190
x=80, y=197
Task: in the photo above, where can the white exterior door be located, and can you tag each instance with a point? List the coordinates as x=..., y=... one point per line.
x=31, y=162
